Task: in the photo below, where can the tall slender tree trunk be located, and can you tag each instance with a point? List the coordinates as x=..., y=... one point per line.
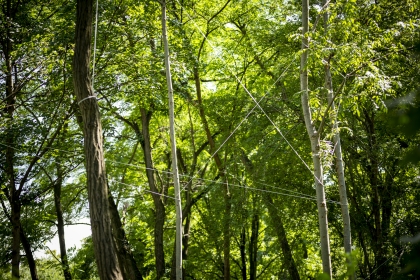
x=339, y=165
x=226, y=194
x=314, y=138
x=277, y=222
x=253, y=247
x=15, y=237
x=242, y=251
x=105, y=253
x=178, y=206
x=157, y=198
x=10, y=153
x=60, y=226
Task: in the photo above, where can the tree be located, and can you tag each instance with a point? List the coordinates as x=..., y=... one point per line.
x=314, y=137
x=105, y=254
x=178, y=205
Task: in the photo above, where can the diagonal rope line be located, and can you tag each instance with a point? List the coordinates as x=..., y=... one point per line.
x=169, y=173
x=247, y=91
x=244, y=119
x=384, y=263
x=294, y=194
x=141, y=189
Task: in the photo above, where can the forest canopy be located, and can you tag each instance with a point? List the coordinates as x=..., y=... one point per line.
x=297, y=130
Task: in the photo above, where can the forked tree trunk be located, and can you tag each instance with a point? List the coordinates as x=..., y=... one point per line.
x=178, y=206
x=339, y=165
x=105, y=253
x=314, y=138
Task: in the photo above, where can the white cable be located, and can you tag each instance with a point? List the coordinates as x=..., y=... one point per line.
x=252, y=97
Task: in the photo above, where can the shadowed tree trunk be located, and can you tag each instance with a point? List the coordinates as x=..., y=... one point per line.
x=253, y=247
x=157, y=198
x=126, y=259
x=60, y=226
x=242, y=247
x=226, y=195
x=29, y=255
x=13, y=194
x=277, y=222
x=105, y=253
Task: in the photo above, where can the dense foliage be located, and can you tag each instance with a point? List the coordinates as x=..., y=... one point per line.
x=244, y=156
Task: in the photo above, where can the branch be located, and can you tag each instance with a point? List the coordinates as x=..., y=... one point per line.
x=324, y=116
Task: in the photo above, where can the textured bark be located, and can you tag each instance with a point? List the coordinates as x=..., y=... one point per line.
x=277, y=222
x=157, y=198
x=315, y=145
x=105, y=253
x=126, y=259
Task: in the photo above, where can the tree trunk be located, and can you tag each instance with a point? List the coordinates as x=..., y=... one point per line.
x=276, y=221
x=227, y=195
x=60, y=228
x=157, y=198
x=15, y=218
x=105, y=253
x=253, y=247
x=315, y=145
x=242, y=247
x=339, y=165
x=10, y=153
x=29, y=255
x=178, y=206
x=126, y=259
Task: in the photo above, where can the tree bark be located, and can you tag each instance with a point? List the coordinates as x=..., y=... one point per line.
x=315, y=145
x=339, y=165
x=105, y=253
x=126, y=259
x=178, y=206
x=29, y=255
x=157, y=198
